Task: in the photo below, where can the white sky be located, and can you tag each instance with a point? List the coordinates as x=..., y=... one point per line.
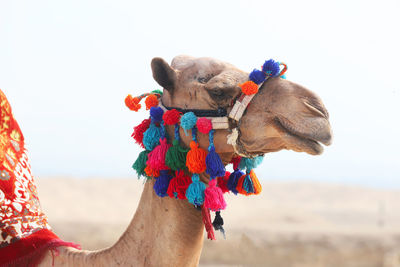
x=66, y=67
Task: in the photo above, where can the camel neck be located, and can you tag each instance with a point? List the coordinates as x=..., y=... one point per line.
x=163, y=232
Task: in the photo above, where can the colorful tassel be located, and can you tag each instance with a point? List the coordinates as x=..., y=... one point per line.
x=132, y=103
x=249, y=88
x=257, y=76
x=196, y=158
x=195, y=191
x=222, y=182
x=156, y=158
x=218, y=223
x=213, y=197
x=178, y=185
x=140, y=163
x=162, y=183
x=188, y=121
x=151, y=101
x=233, y=180
x=151, y=172
x=151, y=137
x=250, y=163
x=271, y=68
x=176, y=156
x=248, y=184
x=156, y=114
x=139, y=130
x=214, y=165
x=171, y=117
x=204, y=125
x=205, y=214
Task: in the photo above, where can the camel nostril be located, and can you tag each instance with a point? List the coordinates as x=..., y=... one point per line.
x=316, y=108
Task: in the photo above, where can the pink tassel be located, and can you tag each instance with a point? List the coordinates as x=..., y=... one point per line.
x=156, y=158
x=214, y=198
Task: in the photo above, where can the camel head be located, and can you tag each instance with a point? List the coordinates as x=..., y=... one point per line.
x=282, y=115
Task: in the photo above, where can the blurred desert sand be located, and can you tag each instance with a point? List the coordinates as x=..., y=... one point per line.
x=299, y=224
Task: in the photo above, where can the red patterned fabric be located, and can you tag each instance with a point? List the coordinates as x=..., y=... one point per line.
x=24, y=232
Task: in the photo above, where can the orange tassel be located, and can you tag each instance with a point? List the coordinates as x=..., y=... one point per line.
x=151, y=101
x=239, y=186
x=249, y=88
x=132, y=103
x=196, y=158
x=151, y=172
x=256, y=183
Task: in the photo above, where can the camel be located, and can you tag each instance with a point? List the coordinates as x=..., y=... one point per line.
x=169, y=232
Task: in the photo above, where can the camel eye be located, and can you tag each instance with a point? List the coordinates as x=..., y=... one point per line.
x=204, y=79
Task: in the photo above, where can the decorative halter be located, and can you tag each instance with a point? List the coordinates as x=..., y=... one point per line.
x=169, y=164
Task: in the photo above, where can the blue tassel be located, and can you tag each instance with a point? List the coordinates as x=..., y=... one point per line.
x=195, y=191
x=233, y=180
x=250, y=163
x=248, y=184
x=271, y=68
x=151, y=137
x=257, y=76
x=215, y=167
x=162, y=183
x=188, y=121
x=156, y=114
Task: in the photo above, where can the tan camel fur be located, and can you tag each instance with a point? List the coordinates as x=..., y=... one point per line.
x=169, y=232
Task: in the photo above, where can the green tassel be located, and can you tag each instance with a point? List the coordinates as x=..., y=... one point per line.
x=176, y=156
x=140, y=163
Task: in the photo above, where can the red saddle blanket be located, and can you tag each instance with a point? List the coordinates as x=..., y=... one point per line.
x=25, y=234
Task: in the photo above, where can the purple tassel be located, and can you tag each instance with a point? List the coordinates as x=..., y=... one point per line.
x=257, y=76
x=271, y=68
x=233, y=180
x=215, y=167
x=162, y=183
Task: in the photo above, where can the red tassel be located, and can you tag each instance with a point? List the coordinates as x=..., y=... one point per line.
x=223, y=182
x=207, y=223
x=156, y=159
x=235, y=162
x=139, y=130
x=178, y=185
x=214, y=198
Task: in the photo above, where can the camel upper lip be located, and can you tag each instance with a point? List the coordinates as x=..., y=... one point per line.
x=310, y=145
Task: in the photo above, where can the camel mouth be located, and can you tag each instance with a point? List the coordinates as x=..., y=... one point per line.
x=300, y=143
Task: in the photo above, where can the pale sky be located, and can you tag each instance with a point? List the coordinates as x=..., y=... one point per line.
x=66, y=67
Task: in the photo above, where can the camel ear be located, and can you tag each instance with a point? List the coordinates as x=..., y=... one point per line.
x=163, y=73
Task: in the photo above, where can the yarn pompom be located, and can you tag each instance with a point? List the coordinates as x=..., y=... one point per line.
x=195, y=191
x=176, y=156
x=214, y=197
x=257, y=76
x=250, y=163
x=249, y=88
x=151, y=101
x=151, y=172
x=204, y=125
x=157, y=156
x=233, y=180
x=162, y=183
x=222, y=182
x=156, y=114
x=256, y=183
x=235, y=162
x=271, y=68
x=196, y=158
x=132, y=103
x=245, y=185
x=151, y=137
x=140, y=163
x=171, y=117
x=188, y=121
x=139, y=130
x=178, y=185
x=214, y=164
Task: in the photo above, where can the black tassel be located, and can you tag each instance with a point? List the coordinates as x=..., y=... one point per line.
x=218, y=223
